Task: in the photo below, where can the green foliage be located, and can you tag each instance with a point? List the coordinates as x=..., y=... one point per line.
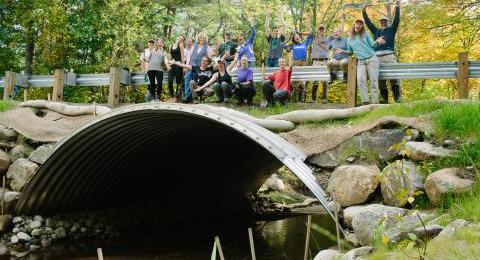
x=278, y=197
x=5, y=105
x=458, y=120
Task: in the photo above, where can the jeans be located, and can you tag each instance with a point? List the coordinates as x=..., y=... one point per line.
x=187, y=78
x=152, y=74
x=222, y=91
x=395, y=83
x=175, y=73
x=245, y=92
x=206, y=92
x=272, y=62
x=271, y=94
x=370, y=66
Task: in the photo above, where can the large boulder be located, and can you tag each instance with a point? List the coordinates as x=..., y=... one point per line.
x=41, y=154
x=273, y=183
x=451, y=230
x=4, y=162
x=358, y=253
x=8, y=134
x=353, y=184
x=377, y=141
x=446, y=181
x=379, y=220
x=329, y=254
x=20, y=151
x=400, y=180
x=420, y=151
x=20, y=173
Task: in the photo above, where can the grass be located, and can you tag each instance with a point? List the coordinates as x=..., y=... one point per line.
x=466, y=245
x=5, y=105
x=458, y=121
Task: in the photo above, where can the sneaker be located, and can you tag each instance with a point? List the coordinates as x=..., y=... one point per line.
x=187, y=100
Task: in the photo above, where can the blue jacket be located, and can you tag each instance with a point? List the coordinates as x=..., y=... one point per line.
x=387, y=33
x=247, y=48
x=300, y=50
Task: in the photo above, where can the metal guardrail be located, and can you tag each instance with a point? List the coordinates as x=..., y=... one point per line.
x=418, y=70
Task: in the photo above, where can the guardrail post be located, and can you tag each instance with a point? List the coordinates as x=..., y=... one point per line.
x=463, y=88
x=114, y=87
x=352, y=82
x=58, y=85
x=9, y=85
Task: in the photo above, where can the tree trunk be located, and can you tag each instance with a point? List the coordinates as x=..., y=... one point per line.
x=29, y=50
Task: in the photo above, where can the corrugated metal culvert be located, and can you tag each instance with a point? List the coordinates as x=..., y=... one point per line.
x=159, y=152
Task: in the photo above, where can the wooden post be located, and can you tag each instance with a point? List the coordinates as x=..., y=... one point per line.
x=25, y=94
x=9, y=85
x=114, y=87
x=352, y=83
x=264, y=72
x=252, y=246
x=99, y=254
x=219, y=247
x=49, y=97
x=307, y=240
x=58, y=85
x=463, y=88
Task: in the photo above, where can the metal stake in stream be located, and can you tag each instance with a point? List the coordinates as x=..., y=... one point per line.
x=336, y=221
x=219, y=247
x=94, y=108
x=252, y=246
x=3, y=194
x=100, y=253
x=48, y=97
x=307, y=240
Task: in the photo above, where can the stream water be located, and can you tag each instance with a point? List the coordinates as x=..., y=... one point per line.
x=279, y=239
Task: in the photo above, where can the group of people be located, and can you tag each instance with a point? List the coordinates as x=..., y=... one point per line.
x=189, y=64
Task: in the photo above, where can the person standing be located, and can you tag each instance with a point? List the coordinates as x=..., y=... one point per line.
x=174, y=71
x=361, y=44
x=385, y=50
x=299, y=54
x=277, y=85
x=275, y=40
x=320, y=54
x=227, y=49
x=200, y=50
x=155, y=70
x=246, y=48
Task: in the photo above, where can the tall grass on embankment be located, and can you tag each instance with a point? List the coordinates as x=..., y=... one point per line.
x=5, y=105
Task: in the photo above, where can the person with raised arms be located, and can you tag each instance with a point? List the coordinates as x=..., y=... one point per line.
x=275, y=39
x=246, y=48
x=385, y=50
x=299, y=50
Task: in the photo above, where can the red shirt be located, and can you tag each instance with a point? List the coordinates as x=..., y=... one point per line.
x=281, y=79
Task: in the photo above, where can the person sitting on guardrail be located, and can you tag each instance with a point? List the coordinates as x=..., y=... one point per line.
x=385, y=50
x=244, y=88
x=246, y=48
x=275, y=39
x=200, y=49
x=277, y=85
x=201, y=75
x=155, y=69
x=299, y=52
x=175, y=72
x=319, y=58
x=360, y=43
x=339, y=60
